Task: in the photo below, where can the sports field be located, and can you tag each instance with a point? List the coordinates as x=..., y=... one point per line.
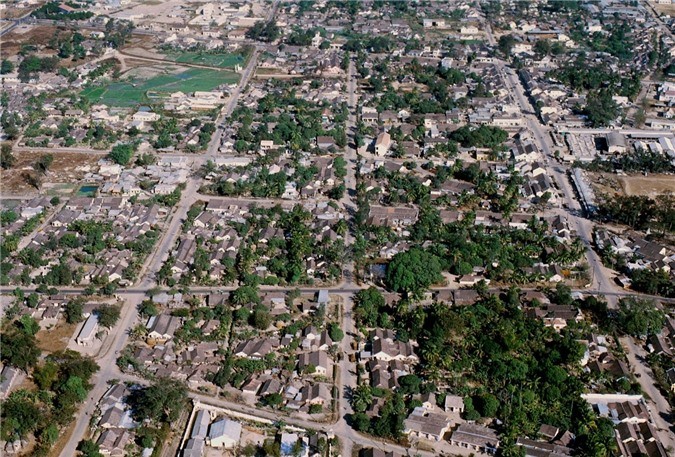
x=212, y=60
x=134, y=91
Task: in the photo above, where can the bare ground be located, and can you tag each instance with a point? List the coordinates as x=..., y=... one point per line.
x=41, y=34
x=56, y=338
x=650, y=186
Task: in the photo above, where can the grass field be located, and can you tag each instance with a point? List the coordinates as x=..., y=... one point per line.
x=135, y=91
x=213, y=60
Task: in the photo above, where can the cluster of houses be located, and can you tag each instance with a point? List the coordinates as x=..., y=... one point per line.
x=216, y=225
x=637, y=252
x=125, y=223
x=25, y=211
x=115, y=426
x=310, y=351
x=161, y=178
x=636, y=433
x=210, y=430
x=237, y=172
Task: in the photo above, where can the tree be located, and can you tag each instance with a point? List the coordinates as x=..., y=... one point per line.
x=261, y=317
x=73, y=310
x=147, y=308
x=639, y=317
x=7, y=159
x=43, y=164
x=88, y=448
x=245, y=295
x=335, y=332
x=6, y=67
x=162, y=401
x=409, y=384
x=19, y=349
x=108, y=315
x=28, y=325
x=413, y=271
x=487, y=405
x=121, y=154
x=46, y=375
x=600, y=108
x=20, y=415
x=505, y=44
x=368, y=304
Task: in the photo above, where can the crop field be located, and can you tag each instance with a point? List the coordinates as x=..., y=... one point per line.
x=134, y=91
x=212, y=60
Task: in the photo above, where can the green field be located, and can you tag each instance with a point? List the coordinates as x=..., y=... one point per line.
x=135, y=91
x=212, y=60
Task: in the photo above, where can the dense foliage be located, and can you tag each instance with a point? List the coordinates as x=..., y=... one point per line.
x=62, y=382
x=641, y=212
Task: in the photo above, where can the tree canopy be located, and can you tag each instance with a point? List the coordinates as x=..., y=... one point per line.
x=413, y=271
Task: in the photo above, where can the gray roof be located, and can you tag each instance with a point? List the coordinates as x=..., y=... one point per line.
x=227, y=428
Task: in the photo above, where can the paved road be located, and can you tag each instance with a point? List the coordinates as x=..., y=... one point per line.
x=658, y=404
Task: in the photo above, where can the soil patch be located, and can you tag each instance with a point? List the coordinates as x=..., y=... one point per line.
x=68, y=167
x=650, y=186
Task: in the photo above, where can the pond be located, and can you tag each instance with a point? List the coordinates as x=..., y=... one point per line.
x=87, y=191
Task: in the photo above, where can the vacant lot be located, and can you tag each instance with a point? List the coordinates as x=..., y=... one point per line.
x=136, y=90
x=68, y=167
x=26, y=34
x=647, y=185
x=55, y=339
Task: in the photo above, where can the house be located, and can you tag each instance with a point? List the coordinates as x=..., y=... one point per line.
x=317, y=360
x=433, y=23
x=395, y=216
x=475, y=437
x=113, y=442
x=194, y=447
x=616, y=143
x=385, y=348
x=253, y=349
x=7, y=377
x=322, y=297
x=670, y=377
x=145, y=115
x=316, y=394
x=224, y=433
x=542, y=449
x=639, y=439
x=88, y=331
x=325, y=142
x=454, y=404
x=290, y=442
x=266, y=145
x=382, y=143
x=426, y=424
x=161, y=328
x=200, y=427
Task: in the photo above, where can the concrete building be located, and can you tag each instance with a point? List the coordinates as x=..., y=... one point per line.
x=88, y=331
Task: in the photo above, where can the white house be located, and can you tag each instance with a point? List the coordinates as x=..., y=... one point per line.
x=224, y=433
x=88, y=331
x=382, y=143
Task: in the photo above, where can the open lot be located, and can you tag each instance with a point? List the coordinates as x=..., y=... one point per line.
x=25, y=34
x=67, y=167
x=140, y=86
x=55, y=339
x=647, y=185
